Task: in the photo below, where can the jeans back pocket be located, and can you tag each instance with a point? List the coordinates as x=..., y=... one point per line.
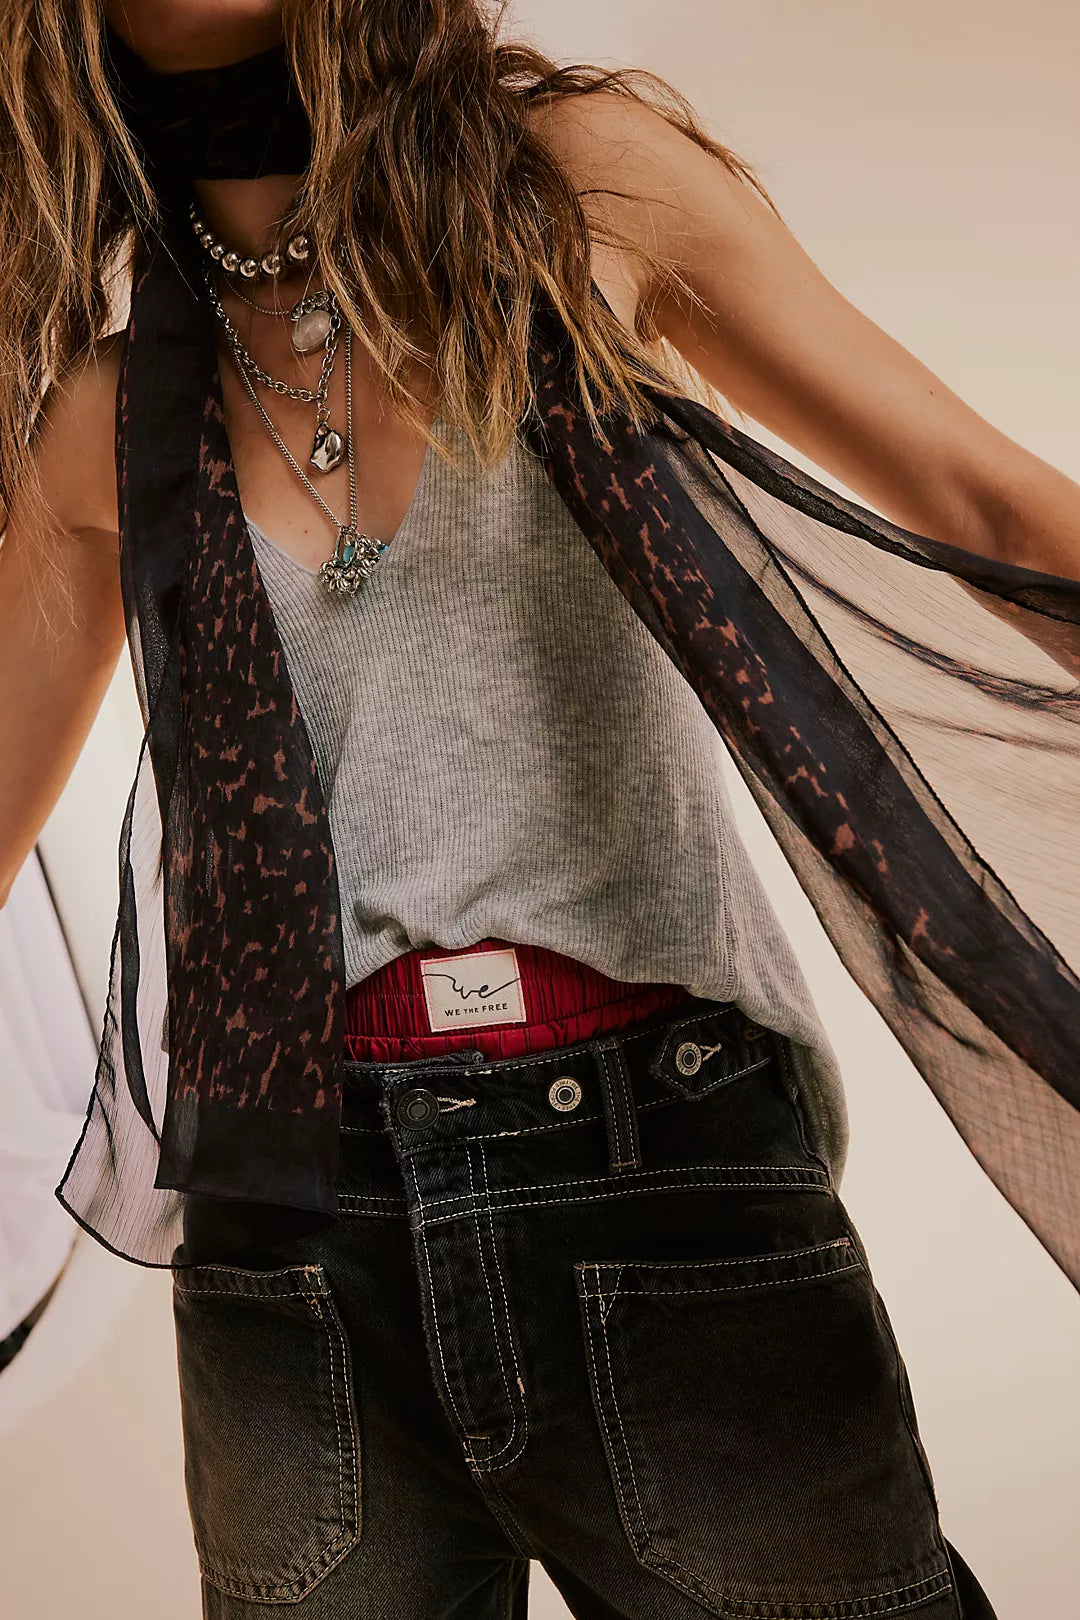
x=271, y=1444
x=756, y=1436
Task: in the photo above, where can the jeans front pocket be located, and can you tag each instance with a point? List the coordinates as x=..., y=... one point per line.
x=272, y=1453
x=756, y=1435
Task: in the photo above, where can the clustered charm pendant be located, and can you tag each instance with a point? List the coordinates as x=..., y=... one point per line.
x=355, y=555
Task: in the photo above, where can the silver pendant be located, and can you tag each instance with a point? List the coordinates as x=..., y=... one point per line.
x=328, y=449
x=310, y=331
x=355, y=555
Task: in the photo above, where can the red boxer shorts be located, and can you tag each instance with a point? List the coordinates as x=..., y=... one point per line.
x=502, y=999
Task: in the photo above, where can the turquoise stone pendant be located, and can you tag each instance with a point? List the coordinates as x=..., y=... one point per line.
x=355, y=555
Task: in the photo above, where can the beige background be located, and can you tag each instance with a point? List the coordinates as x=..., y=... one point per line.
x=927, y=156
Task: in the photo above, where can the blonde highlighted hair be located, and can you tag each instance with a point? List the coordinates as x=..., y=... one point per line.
x=435, y=209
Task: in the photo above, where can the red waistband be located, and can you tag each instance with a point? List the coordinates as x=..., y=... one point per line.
x=387, y=1015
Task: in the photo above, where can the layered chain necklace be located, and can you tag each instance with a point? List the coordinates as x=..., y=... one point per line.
x=316, y=322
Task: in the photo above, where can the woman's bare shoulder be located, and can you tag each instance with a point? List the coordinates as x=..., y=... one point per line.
x=635, y=171
x=74, y=443
x=609, y=147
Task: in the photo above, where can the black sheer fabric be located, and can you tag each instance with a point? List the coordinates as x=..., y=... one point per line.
x=906, y=715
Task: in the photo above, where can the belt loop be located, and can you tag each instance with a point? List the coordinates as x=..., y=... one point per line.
x=620, y=1112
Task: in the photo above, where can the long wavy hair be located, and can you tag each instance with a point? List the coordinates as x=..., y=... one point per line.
x=434, y=209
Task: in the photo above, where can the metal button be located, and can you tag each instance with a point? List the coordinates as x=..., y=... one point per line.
x=564, y=1093
x=688, y=1058
x=417, y=1108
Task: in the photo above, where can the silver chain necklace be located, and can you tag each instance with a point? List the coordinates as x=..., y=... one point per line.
x=355, y=554
x=328, y=446
x=311, y=317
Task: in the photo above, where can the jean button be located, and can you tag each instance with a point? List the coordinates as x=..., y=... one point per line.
x=688, y=1057
x=564, y=1093
x=416, y=1108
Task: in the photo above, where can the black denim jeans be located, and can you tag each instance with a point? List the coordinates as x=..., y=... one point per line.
x=601, y=1308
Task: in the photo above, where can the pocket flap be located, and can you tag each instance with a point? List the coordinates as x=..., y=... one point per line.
x=699, y=1054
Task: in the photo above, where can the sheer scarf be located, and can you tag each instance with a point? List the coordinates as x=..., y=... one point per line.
x=905, y=713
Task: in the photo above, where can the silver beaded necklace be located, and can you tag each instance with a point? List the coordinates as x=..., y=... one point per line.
x=297, y=252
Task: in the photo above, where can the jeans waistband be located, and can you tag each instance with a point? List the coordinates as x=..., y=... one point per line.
x=462, y=1094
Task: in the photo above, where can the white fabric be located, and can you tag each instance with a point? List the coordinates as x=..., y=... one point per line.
x=47, y=1056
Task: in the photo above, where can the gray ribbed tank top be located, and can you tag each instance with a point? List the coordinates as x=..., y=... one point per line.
x=507, y=753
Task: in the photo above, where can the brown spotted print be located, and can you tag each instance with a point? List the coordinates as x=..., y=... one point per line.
x=904, y=713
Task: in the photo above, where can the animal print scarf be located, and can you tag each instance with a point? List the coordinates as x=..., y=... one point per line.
x=905, y=713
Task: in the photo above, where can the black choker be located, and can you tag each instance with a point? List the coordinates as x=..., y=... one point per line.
x=230, y=123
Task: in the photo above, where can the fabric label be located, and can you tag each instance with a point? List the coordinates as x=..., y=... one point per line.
x=470, y=992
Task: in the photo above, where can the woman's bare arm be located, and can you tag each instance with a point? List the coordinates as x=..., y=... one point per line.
x=782, y=344
x=55, y=666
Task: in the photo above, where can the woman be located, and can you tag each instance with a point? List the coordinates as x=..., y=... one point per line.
x=560, y=1269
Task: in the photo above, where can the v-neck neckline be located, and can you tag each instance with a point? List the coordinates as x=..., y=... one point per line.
x=400, y=532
